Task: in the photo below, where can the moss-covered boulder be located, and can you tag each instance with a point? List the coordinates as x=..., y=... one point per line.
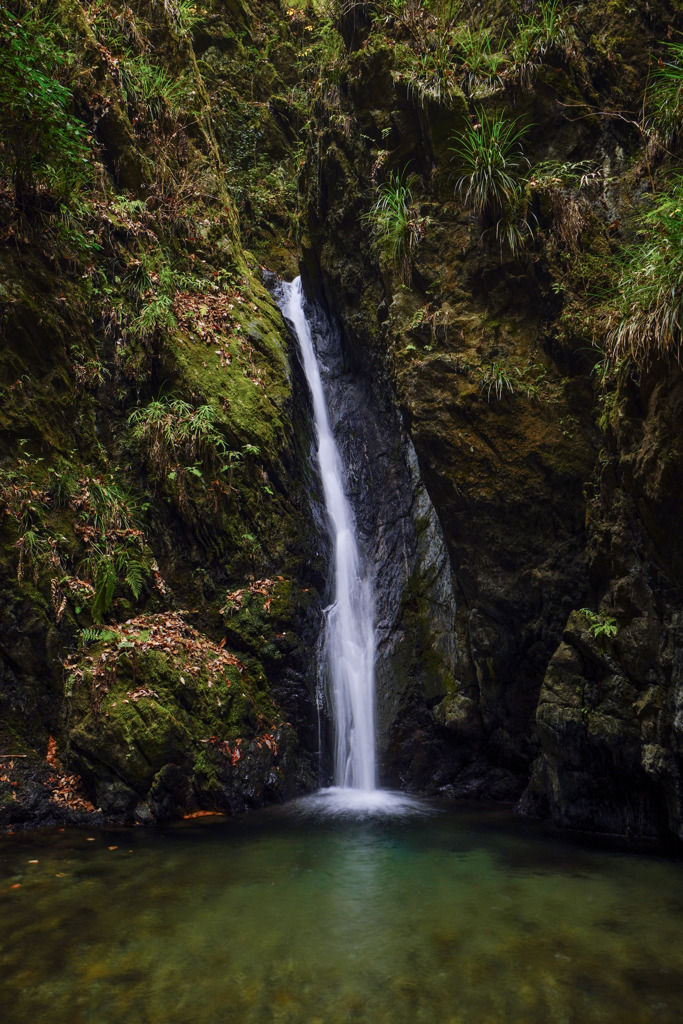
x=165, y=722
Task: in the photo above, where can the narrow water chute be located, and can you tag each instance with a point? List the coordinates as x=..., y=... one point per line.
x=349, y=643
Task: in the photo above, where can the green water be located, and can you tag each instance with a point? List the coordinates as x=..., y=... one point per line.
x=467, y=916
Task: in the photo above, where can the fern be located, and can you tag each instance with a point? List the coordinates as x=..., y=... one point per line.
x=89, y=636
x=134, y=571
x=600, y=624
x=113, y=569
x=105, y=585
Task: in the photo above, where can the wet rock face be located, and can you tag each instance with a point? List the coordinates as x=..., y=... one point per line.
x=508, y=487
x=547, y=503
x=404, y=548
x=505, y=475
x=609, y=714
x=543, y=515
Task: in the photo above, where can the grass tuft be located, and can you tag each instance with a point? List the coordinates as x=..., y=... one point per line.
x=394, y=222
x=647, y=318
x=491, y=166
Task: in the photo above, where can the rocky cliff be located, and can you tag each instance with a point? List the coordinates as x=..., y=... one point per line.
x=159, y=589
x=555, y=476
x=513, y=438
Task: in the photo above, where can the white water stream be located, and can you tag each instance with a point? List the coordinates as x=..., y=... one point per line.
x=349, y=645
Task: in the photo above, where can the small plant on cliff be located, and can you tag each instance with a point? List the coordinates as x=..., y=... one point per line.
x=599, y=624
x=647, y=320
x=183, y=14
x=544, y=32
x=110, y=568
x=491, y=165
x=547, y=26
x=496, y=378
x=24, y=502
x=155, y=316
x=153, y=284
x=559, y=186
x=148, y=86
x=172, y=433
x=481, y=63
x=431, y=77
x=179, y=442
x=531, y=380
x=114, y=542
x=394, y=221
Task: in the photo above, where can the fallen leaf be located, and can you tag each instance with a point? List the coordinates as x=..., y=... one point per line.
x=51, y=756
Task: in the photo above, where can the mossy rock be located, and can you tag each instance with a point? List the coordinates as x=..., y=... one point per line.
x=176, y=727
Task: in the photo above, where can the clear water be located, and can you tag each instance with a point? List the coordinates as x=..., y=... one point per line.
x=466, y=916
x=349, y=646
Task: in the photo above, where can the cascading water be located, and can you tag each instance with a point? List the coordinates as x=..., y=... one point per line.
x=349, y=645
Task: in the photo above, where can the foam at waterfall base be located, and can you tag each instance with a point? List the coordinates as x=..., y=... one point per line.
x=337, y=801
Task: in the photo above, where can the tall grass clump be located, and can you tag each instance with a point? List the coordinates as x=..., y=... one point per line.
x=393, y=220
x=183, y=14
x=481, y=62
x=491, y=169
x=543, y=33
x=666, y=95
x=647, y=320
x=149, y=86
x=545, y=30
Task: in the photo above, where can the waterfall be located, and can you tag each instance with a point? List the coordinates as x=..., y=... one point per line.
x=349, y=641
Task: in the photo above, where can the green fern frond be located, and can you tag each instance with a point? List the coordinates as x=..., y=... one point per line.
x=89, y=636
x=105, y=585
x=135, y=573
